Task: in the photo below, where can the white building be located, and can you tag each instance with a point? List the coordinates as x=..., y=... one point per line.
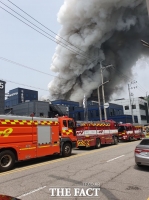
x=139, y=108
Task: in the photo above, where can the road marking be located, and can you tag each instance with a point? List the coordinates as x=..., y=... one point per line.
x=59, y=160
x=33, y=191
x=115, y=158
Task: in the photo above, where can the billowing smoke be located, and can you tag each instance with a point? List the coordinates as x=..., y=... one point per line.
x=94, y=30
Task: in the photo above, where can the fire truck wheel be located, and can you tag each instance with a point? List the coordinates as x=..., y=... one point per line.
x=115, y=140
x=7, y=160
x=98, y=144
x=66, y=150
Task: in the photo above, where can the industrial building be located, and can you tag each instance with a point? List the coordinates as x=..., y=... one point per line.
x=38, y=108
x=139, y=108
x=20, y=95
x=72, y=109
x=22, y=101
x=114, y=112
x=2, y=96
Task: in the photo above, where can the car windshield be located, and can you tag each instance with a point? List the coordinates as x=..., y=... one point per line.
x=145, y=142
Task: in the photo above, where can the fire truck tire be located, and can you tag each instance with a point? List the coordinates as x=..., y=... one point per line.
x=115, y=139
x=7, y=160
x=98, y=143
x=66, y=150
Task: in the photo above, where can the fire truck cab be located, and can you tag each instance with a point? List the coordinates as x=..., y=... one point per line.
x=129, y=132
x=23, y=138
x=95, y=134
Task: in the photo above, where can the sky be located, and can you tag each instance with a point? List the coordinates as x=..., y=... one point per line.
x=21, y=44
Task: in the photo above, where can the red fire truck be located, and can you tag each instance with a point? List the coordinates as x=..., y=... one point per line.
x=97, y=133
x=23, y=138
x=129, y=132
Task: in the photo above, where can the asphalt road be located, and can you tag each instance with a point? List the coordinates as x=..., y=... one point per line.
x=112, y=168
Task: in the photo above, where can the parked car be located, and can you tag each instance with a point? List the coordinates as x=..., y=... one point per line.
x=142, y=152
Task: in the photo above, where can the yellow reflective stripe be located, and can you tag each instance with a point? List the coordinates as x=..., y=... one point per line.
x=13, y=123
x=7, y=120
x=43, y=146
x=28, y=148
x=21, y=123
x=27, y=122
x=4, y=122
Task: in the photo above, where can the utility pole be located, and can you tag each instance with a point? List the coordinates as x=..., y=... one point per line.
x=133, y=121
x=130, y=104
x=102, y=84
x=85, y=108
x=98, y=91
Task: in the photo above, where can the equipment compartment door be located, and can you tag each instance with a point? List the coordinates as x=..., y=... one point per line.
x=43, y=140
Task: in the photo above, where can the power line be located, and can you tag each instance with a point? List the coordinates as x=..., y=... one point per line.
x=40, y=33
x=15, y=63
x=127, y=78
x=40, y=24
x=64, y=45
x=45, y=26
x=139, y=85
x=37, y=26
x=37, y=30
x=24, y=85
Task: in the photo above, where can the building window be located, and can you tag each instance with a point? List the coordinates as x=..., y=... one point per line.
x=142, y=107
x=133, y=106
x=143, y=117
x=126, y=107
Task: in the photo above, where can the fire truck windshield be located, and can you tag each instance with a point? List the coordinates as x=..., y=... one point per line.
x=121, y=128
x=71, y=124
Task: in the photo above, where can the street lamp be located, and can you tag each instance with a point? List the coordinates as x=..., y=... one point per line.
x=99, y=98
